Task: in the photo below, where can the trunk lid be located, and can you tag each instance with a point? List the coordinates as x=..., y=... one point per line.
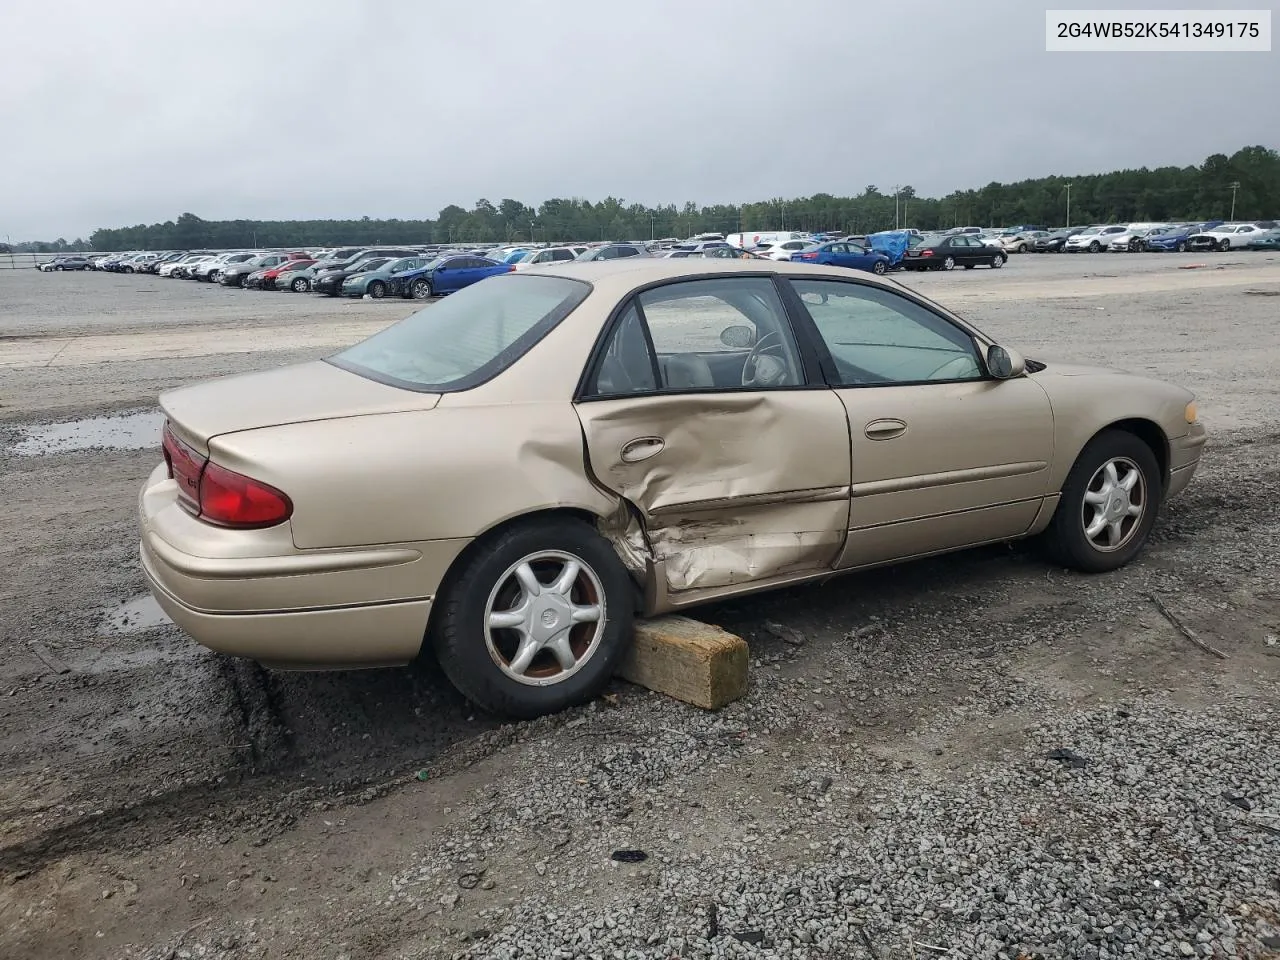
x=295, y=394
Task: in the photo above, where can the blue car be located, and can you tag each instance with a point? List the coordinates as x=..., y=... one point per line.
x=445, y=275
x=1174, y=239
x=843, y=253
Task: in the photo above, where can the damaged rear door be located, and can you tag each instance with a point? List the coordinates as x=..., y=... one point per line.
x=703, y=414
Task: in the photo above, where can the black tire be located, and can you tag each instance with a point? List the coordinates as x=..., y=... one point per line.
x=459, y=633
x=949, y=263
x=1224, y=244
x=128, y=269
x=997, y=262
x=1181, y=247
x=420, y=290
x=1065, y=539
x=300, y=285
x=1094, y=247
x=377, y=289
x=880, y=268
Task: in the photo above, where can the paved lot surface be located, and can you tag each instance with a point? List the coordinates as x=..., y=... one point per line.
x=883, y=791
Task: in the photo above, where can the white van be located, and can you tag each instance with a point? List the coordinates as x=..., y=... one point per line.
x=745, y=241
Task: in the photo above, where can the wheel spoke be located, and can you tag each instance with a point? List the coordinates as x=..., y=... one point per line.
x=529, y=648
x=507, y=619
x=1112, y=478
x=1130, y=481
x=568, y=577
x=1114, y=533
x=1096, y=525
x=1095, y=496
x=528, y=580
x=587, y=614
x=1135, y=509
x=560, y=649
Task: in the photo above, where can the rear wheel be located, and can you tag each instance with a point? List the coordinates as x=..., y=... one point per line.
x=949, y=263
x=1108, y=505
x=377, y=289
x=128, y=269
x=421, y=290
x=535, y=619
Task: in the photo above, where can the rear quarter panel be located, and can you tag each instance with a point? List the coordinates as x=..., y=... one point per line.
x=451, y=472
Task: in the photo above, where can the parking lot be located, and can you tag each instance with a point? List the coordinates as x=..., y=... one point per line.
x=883, y=790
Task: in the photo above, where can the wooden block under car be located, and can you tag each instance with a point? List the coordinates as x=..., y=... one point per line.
x=689, y=660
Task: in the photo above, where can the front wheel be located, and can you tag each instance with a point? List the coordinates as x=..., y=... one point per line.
x=1224, y=245
x=997, y=263
x=879, y=268
x=421, y=290
x=377, y=289
x=1181, y=247
x=1108, y=505
x=1095, y=247
x=535, y=619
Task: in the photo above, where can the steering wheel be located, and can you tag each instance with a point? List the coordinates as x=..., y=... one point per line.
x=957, y=368
x=766, y=364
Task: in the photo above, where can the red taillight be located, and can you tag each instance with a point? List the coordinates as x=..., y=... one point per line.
x=185, y=465
x=808, y=256
x=218, y=495
x=926, y=253
x=231, y=499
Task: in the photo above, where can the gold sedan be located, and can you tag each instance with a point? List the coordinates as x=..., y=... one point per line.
x=516, y=472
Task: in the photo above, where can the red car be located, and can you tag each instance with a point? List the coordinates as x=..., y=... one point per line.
x=266, y=279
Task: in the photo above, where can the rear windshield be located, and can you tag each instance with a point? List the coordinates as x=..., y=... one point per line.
x=468, y=337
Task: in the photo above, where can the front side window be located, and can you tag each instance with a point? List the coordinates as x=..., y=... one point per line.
x=468, y=337
x=721, y=334
x=878, y=337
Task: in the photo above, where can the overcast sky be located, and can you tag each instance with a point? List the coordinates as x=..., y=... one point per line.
x=123, y=112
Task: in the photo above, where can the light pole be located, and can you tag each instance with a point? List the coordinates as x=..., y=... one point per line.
x=651, y=228
x=896, y=188
x=531, y=240
x=1235, y=185
x=1068, y=206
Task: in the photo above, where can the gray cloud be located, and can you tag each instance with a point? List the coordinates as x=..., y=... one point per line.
x=131, y=112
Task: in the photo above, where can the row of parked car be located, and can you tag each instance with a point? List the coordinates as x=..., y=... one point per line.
x=420, y=273
x=1150, y=237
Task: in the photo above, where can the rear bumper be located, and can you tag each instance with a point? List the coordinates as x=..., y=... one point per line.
x=253, y=594
x=1184, y=458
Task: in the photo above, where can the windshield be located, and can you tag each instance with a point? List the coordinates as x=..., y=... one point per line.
x=468, y=337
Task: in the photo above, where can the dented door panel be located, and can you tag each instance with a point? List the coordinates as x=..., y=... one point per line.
x=732, y=487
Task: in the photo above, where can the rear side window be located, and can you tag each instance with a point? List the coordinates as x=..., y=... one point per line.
x=467, y=338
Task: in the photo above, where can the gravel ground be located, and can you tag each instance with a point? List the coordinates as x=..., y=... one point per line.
x=884, y=790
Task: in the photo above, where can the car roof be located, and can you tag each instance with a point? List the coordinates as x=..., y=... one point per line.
x=617, y=277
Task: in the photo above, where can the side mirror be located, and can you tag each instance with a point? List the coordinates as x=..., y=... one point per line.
x=739, y=336
x=1005, y=364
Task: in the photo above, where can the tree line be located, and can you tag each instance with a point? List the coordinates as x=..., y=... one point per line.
x=1248, y=180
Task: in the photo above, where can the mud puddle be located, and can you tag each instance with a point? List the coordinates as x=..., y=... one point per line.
x=133, y=616
x=134, y=431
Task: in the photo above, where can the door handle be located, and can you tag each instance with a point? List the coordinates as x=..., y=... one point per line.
x=885, y=429
x=642, y=448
